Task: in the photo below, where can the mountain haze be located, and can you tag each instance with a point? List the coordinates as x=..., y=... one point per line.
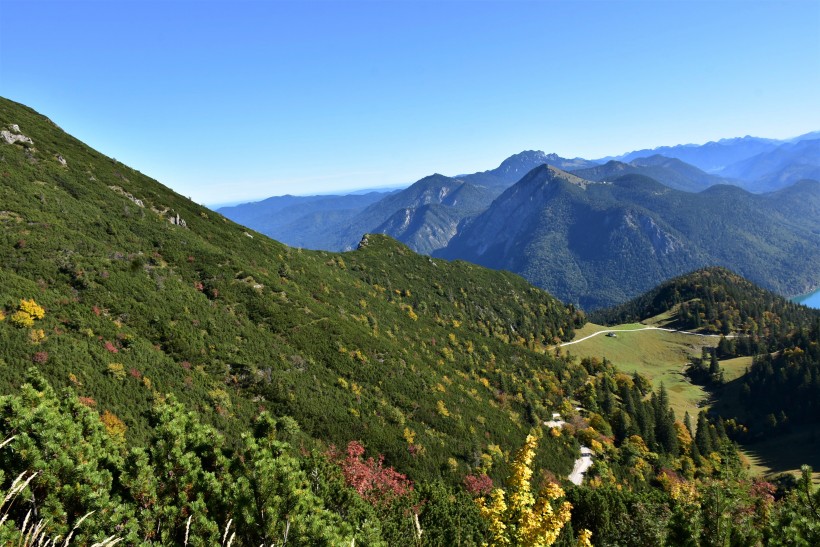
x=301, y=221
x=711, y=157
x=670, y=172
x=779, y=167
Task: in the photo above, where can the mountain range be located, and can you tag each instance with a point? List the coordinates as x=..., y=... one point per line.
x=769, y=237
x=599, y=244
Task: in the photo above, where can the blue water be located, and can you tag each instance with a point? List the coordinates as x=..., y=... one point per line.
x=811, y=300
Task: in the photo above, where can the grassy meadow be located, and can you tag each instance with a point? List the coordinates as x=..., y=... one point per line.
x=662, y=356
x=659, y=355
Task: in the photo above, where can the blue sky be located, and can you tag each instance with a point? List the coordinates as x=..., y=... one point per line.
x=230, y=101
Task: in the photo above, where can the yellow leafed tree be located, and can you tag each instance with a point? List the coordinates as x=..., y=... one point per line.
x=518, y=517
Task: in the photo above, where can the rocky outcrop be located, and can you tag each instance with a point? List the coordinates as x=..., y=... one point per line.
x=177, y=221
x=14, y=136
x=120, y=191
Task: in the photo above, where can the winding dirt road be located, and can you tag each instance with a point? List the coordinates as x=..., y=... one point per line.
x=639, y=330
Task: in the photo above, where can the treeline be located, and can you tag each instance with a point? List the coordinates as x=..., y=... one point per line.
x=782, y=389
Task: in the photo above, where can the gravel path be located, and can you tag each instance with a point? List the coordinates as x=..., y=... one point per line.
x=581, y=466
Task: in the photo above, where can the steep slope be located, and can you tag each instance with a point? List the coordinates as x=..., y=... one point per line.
x=600, y=244
x=146, y=293
x=423, y=229
x=670, y=172
x=799, y=204
x=460, y=199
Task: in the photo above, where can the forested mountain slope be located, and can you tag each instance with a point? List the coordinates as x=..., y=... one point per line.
x=147, y=293
x=598, y=244
x=781, y=388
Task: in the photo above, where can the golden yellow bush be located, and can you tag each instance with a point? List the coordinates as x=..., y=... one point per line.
x=27, y=312
x=22, y=319
x=517, y=517
x=32, y=308
x=114, y=426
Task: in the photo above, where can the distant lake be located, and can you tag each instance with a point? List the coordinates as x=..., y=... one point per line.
x=811, y=300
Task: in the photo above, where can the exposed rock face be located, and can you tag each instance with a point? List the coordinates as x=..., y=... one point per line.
x=61, y=160
x=14, y=136
x=120, y=191
x=177, y=221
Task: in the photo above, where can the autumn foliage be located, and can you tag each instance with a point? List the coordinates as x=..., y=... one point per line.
x=478, y=485
x=374, y=482
x=516, y=516
x=27, y=313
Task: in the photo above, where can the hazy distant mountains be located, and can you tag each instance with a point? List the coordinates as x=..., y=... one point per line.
x=594, y=233
x=670, y=172
x=424, y=215
x=301, y=221
x=778, y=167
x=715, y=156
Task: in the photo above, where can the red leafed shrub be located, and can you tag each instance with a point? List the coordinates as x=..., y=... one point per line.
x=135, y=373
x=87, y=401
x=111, y=348
x=40, y=357
x=478, y=485
x=97, y=311
x=374, y=482
x=199, y=286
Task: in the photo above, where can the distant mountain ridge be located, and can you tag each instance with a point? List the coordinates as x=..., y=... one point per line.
x=756, y=164
x=779, y=167
x=336, y=222
x=425, y=215
x=600, y=244
x=710, y=157
x=573, y=236
x=670, y=172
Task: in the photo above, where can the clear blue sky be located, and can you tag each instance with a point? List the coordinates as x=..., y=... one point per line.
x=228, y=101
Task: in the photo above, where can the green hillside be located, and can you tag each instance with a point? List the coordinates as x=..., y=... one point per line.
x=181, y=380
x=356, y=346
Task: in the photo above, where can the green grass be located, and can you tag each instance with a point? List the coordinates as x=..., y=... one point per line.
x=786, y=453
x=660, y=356
x=735, y=368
